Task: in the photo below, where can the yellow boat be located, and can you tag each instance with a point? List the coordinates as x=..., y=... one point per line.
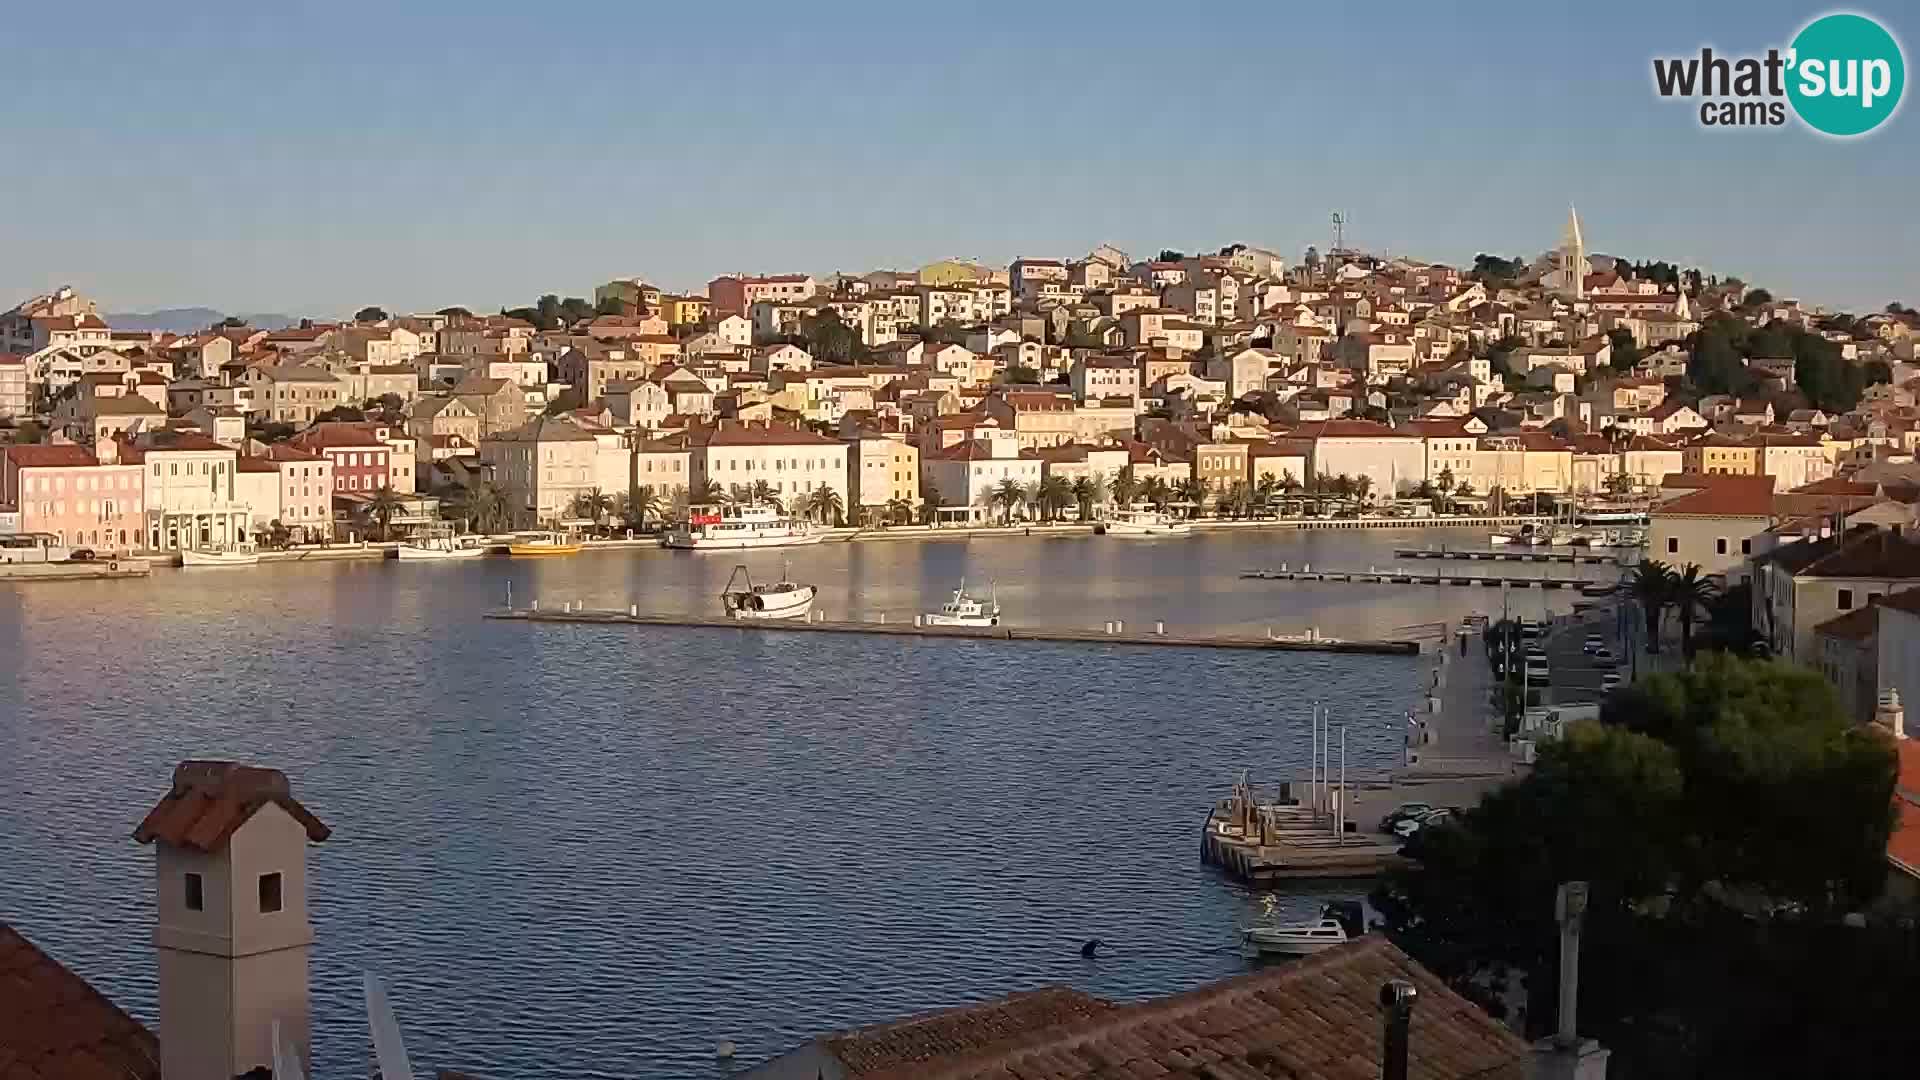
x=544, y=545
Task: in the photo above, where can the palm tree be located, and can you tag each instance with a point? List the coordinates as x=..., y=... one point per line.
x=385, y=503
x=762, y=493
x=1157, y=492
x=1362, y=484
x=482, y=506
x=1055, y=495
x=825, y=503
x=1193, y=492
x=598, y=506
x=642, y=502
x=1265, y=490
x=899, y=511
x=1652, y=588
x=1082, y=491
x=707, y=491
x=1691, y=592
x=1445, y=482
x=1099, y=485
x=1007, y=496
x=1125, y=488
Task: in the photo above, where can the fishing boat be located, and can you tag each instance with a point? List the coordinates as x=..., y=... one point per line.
x=442, y=545
x=230, y=555
x=737, y=528
x=1146, y=523
x=742, y=599
x=964, y=610
x=1303, y=939
x=543, y=545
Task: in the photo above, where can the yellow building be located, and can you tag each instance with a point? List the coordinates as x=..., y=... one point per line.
x=684, y=310
x=1719, y=455
x=953, y=272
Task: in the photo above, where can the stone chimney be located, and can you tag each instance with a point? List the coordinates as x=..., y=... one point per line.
x=1890, y=715
x=230, y=874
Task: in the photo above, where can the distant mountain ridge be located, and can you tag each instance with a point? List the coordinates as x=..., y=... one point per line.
x=193, y=320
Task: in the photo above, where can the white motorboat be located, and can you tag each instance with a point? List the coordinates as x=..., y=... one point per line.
x=781, y=600
x=1301, y=940
x=443, y=546
x=1146, y=523
x=231, y=555
x=964, y=610
x=736, y=528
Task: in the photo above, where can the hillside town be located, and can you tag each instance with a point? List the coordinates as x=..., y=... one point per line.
x=954, y=393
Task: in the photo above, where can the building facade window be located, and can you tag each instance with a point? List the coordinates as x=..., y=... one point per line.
x=269, y=893
x=195, y=893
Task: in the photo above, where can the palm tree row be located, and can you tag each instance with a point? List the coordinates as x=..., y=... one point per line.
x=1655, y=587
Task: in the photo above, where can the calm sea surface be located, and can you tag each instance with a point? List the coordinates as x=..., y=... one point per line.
x=597, y=851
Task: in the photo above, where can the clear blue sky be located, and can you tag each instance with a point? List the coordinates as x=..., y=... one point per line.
x=253, y=159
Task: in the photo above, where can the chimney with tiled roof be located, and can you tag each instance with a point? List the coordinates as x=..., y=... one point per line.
x=230, y=870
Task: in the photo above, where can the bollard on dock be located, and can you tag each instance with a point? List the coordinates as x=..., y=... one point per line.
x=633, y=610
x=919, y=621
x=1160, y=628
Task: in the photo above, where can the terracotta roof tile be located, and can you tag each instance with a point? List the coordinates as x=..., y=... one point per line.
x=54, y=1026
x=1316, y=1017
x=1903, y=847
x=210, y=799
x=50, y=456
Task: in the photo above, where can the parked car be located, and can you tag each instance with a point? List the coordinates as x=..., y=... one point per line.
x=1611, y=680
x=1413, y=825
x=1603, y=654
x=1404, y=812
x=1593, y=644
x=81, y=555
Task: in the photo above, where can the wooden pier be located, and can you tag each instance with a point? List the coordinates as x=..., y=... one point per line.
x=1116, y=633
x=1433, y=577
x=1514, y=554
x=1266, y=843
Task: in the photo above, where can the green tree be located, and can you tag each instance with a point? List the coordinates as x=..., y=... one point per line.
x=1157, y=492
x=1690, y=592
x=1009, y=496
x=643, y=504
x=1170, y=255
x=1020, y=375
x=370, y=314
x=1125, y=488
x=762, y=493
x=831, y=341
x=483, y=506
x=707, y=492
x=1651, y=585
x=1055, y=495
x=1755, y=298
x=455, y=313
x=1193, y=492
x=1082, y=491
x=929, y=504
x=278, y=535
x=1625, y=352
x=1494, y=271
x=382, y=507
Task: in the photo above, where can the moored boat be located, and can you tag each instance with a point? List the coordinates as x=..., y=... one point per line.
x=1304, y=939
x=783, y=599
x=231, y=555
x=543, y=545
x=965, y=610
x=1146, y=523
x=738, y=528
x=442, y=546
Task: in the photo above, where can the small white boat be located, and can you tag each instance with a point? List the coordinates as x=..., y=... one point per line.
x=443, y=546
x=231, y=555
x=781, y=600
x=737, y=528
x=964, y=610
x=1146, y=523
x=1302, y=940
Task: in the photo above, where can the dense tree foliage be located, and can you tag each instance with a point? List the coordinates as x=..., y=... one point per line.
x=1724, y=817
x=1625, y=352
x=370, y=314
x=1723, y=345
x=830, y=340
x=1494, y=270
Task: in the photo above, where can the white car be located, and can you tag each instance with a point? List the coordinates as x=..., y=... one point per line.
x=1611, y=680
x=1593, y=644
x=1413, y=825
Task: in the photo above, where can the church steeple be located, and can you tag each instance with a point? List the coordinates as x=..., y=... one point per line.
x=1573, y=259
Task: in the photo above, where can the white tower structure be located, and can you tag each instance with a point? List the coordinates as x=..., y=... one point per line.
x=1571, y=271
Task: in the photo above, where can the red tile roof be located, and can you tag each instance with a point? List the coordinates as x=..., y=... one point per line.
x=211, y=799
x=1317, y=1017
x=54, y=1026
x=736, y=433
x=1903, y=847
x=929, y=1038
x=1724, y=500
x=49, y=456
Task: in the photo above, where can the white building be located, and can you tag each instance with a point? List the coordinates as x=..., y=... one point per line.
x=967, y=475
x=735, y=454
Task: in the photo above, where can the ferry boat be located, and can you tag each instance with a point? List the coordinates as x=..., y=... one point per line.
x=1146, y=523
x=781, y=600
x=736, y=528
x=543, y=545
x=231, y=555
x=964, y=610
x=443, y=546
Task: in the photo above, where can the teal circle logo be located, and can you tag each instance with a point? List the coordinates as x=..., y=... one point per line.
x=1847, y=75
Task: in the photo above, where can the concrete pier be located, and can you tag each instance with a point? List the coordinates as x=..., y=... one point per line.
x=1425, y=577
x=1265, y=844
x=75, y=571
x=1115, y=633
x=1589, y=557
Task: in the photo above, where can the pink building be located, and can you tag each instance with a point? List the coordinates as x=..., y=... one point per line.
x=66, y=491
